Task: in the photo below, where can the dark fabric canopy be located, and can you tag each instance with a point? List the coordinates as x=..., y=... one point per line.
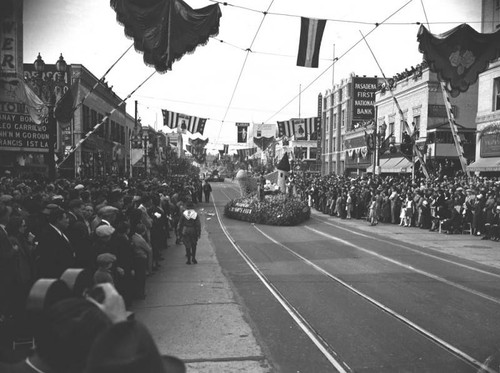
x=165, y=30
x=459, y=55
x=198, y=143
x=263, y=142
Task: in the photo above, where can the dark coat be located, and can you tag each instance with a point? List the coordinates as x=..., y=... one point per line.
x=54, y=254
x=8, y=271
x=81, y=242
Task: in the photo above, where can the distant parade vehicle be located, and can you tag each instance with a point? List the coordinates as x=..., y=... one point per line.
x=214, y=177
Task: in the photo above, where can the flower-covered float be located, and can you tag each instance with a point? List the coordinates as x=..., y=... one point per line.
x=271, y=209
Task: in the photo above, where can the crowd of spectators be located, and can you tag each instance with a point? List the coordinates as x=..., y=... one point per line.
x=448, y=204
x=116, y=229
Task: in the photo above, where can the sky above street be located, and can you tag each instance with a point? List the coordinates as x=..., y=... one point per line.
x=215, y=82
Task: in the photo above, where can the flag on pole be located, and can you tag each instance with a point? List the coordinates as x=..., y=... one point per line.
x=36, y=107
x=311, y=33
x=226, y=148
x=184, y=122
x=64, y=108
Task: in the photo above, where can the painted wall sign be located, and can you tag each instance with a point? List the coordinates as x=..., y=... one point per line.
x=364, y=98
x=18, y=132
x=490, y=145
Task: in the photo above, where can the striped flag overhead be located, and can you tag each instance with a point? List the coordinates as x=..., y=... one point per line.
x=301, y=128
x=185, y=122
x=311, y=32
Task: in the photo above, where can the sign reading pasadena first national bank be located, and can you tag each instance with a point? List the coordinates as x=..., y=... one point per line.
x=364, y=98
x=18, y=132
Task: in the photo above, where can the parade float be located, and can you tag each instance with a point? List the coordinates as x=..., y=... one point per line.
x=255, y=206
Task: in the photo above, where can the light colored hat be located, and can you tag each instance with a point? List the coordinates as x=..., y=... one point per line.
x=106, y=258
x=106, y=210
x=6, y=198
x=79, y=187
x=104, y=231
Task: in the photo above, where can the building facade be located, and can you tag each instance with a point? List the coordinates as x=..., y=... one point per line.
x=419, y=95
x=488, y=114
x=107, y=150
x=346, y=111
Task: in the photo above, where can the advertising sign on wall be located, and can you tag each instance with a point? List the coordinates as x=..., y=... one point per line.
x=363, y=98
x=490, y=145
x=18, y=132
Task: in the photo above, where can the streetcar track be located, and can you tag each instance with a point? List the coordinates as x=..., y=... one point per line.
x=406, y=266
x=306, y=327
x=427, y=334
x=471, y=268
x=310, y=332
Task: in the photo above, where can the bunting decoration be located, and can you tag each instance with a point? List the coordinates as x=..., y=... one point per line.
x=164, y=31
x=197, y=148
x=198, y=143
x=263, y=142
x=183, y=122
x=302, y=129
x=243, y=154
x=459, y=55
x=311, y=33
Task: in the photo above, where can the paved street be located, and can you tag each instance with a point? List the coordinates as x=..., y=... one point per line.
x=329, y=295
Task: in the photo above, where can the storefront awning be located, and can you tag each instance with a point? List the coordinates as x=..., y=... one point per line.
x=485, y=165
x=394, y=165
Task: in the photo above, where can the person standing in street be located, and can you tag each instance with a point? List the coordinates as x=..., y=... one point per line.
x=207, y=189
x=190, y=228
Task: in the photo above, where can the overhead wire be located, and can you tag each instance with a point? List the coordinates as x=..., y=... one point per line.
x=336, y=60
x=249, y=49
x=265, y=53
x=224, y=3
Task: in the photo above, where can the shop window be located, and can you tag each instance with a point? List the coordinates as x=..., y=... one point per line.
x=313, y=153
x=496, y=98
x=85, y=118
x=100, y=130
x=416, y=125
x=93, y=118
x=391, y=127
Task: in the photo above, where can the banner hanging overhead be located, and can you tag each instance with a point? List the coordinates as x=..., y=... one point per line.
x=459, y=55
x=183, y=122
x=165, y=30
x=301, y=128
x=242, y=133
x=311, y=33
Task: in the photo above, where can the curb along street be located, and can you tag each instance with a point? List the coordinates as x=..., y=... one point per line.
x=464, y=246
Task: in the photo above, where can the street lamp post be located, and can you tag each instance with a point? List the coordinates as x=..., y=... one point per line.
x=378, y=139
x=48, y=86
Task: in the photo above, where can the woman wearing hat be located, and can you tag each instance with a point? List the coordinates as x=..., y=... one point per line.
x=190, y=228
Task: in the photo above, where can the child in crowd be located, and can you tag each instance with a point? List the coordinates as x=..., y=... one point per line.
x=103, y=273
